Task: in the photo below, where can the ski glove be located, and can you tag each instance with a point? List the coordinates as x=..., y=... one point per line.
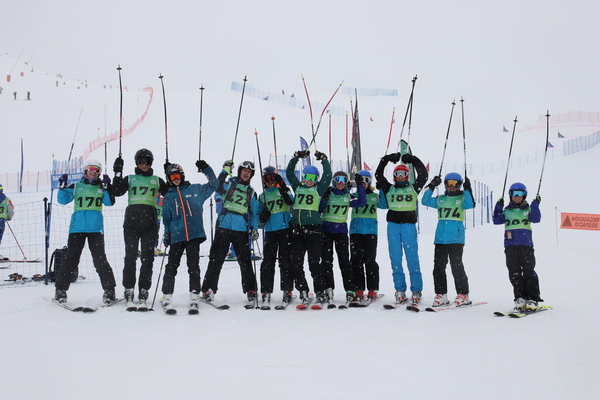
x=166, y=166
x=435, y=182
x=264, y=216
x=358, y=179
x=254, y=234
x=538, y=198
x=467, y=184
x=500, y=201
x=106, y=180
x=408, y=158
x=278, y=179
x=393, y=157
x=201, y=165
x=301, y=153
x=62, y=181
x=167, y=239
x=228, y=166
x=118, y=165
x=320, y=156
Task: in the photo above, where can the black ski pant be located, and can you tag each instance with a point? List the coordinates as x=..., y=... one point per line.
x=363, y=253
x=443, y=253
x=307, y=239
x=75, y=245
x=142, y=239
x=341, y=243
x=276, y=246
x=218, y=252
x=192, y=254
x=520, y=261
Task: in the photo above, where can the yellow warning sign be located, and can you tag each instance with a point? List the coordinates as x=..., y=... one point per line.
x=589, y=222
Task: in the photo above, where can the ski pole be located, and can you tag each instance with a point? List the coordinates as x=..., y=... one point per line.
x=330, y=151
x=545, y=150
x=259, y=161
x=11, y=231
x=347, y=151
x=462, y=107
x=238, y=120
x=165, y=108
x=321, y=117
x=408, y=110
x=73, y=142
x=200, y=131
x=159, y=275
x=447, y=134
x=120, y=111
x=275, y=144
x=509, y=153
x=391, y=129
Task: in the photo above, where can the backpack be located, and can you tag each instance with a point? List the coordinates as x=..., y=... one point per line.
x=58, y=259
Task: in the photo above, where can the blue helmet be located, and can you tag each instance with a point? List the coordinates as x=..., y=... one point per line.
x=367, y=177
x=517, y=186
x=310, y=169
x=453, y=176
x=268, y=170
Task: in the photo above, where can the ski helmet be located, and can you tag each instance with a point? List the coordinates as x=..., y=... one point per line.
x=367, y=177
x=1, y=188
x=92, y=163
x=518, y=186
x=175, y=169
x=144, y=153
x=401, y=167
x=269, y=170
x=453, y=179
x=248, y=165
x=339, y=176
x=310, y=169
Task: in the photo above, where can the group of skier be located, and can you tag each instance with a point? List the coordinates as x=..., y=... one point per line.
x=308, y=220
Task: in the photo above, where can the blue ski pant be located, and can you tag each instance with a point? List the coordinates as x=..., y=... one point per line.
x=403, y=238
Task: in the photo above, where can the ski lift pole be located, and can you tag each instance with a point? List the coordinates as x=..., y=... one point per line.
x=447, y=134
x=545, y=150
x=509, y=153
x=165, y=108
x=238, y=120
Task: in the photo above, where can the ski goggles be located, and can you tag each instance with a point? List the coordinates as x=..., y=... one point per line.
x=401, y=173
x=143, y=161
x=175, y=176
x=92, y=168
x=340, y=179
x=367, y=180
x=310, y=177
x=269, y=178
x=517, y=193
x=452, y=183
x=247, y=164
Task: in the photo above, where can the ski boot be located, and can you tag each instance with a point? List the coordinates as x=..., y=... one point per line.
x=440, y=300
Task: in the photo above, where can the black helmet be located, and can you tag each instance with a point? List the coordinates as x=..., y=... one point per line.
x=249, y=165
x=269, y=170
x=175, y=169
x=143, y=153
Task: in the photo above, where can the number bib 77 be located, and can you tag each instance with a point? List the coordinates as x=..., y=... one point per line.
x=87, y=197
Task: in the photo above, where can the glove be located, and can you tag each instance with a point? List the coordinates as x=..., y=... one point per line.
x=408, y=158
x=118, y=165
x=279, y=179
x=264, y=216
x=228, y=166
x=301, y=153
x=166, y=166
x=167, y=239
x=467, y=184
x=500, y=201
x=538, y=198
x=106, y=180
x=435, y=182
x=62, y=181
x=254, y=234
x=358, y=179
x=201, y=165
x=394, y=157
x=320, y=156
x=327, y=193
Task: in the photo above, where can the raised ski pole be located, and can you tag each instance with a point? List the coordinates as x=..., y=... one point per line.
x=447, y=134
x=462, y=107
x=545, y=150
x=509, y=153
x=265, y=201
x=238, y=120
x=391, y=129
x=73, y=142
x=408, y=110
x=275, y=144
x=200, y=130
x=321, y=117
x=312, y=126
x=347, y=151
x=120, y=110
x=166, y=131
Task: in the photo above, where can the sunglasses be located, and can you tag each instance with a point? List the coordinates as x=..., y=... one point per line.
x=401, y=173
x=269, y=178
x=92, y=168
x=518, y=193
x=310, y=177
x=143, y=161
x=175, y=176
x=340, y=179
x=452, y=183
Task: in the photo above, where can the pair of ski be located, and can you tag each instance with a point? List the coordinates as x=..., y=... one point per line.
x=170, y=310
x=83, y=309
x=523, y=313
x=416, y=308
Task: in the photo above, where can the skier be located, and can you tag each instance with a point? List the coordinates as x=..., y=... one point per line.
x=184, y=228
x=275, y=215
x=139, y=226
x=238, y=220
x=307, y=231
x=363, y=241
x=7, y=211
x=517, y=218
x=400, y=198
x=219, y=205
x=87, y=222
x=335, y=206
x=450, y=236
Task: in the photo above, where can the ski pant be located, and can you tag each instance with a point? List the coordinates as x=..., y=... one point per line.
x=307, y=239
x=443, y=253
x=341, y=243
x=277, y=245
x=75, y=246
x=404, y=237
x=144, y=238
x=192, y=254
x=363, y=252
x=2, y=227
x=520, y=261
x=218, y=252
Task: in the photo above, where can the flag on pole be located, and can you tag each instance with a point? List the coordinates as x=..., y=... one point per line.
x=550, y=144
x=366, y=167
x=371, y=119
x=504, y=129
x=560, y=136
x=427, y=167
x=304, y=146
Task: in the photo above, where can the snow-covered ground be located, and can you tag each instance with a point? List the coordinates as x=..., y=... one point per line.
x=51, y=353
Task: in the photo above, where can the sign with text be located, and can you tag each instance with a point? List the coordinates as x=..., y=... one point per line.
x=590, y=222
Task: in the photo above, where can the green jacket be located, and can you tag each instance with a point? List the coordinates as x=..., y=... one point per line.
x=306, y=217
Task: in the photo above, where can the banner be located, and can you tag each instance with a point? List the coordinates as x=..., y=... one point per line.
x=590, y=222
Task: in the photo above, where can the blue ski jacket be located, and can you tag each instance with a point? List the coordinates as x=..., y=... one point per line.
x=86, y=221
x=235, y=221
x=449, y=231
x=519, y=236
